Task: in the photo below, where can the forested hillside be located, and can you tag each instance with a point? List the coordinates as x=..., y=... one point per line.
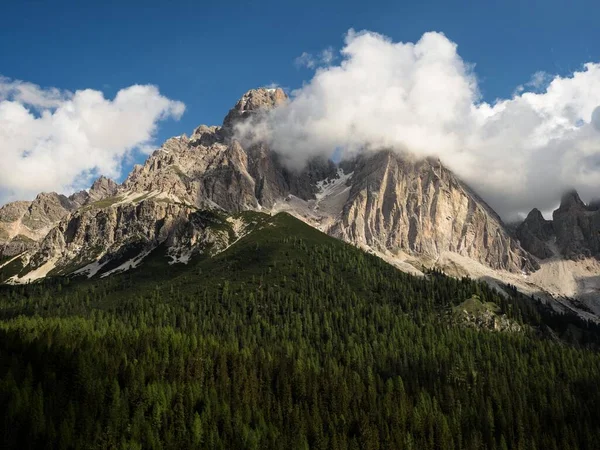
x=288, y=339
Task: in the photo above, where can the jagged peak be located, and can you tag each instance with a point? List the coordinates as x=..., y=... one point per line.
x=103, y=187
x=535, y=215
x=262, y=96
x=206, y=136
x=203, y=129
x=44, y=200
x=102, y=180
x=252, y=101
x=571, y=198
x=48, y=196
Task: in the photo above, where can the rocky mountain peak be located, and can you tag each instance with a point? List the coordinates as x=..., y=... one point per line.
x=535, y=216
x=534, y=233
x=577, y=227
x=206, y=136
x=24, y=224
x=571, y=199
x=103, y=188
x=48, y=208
x=253, y=101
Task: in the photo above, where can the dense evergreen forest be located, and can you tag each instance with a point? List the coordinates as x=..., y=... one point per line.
x=288, y=340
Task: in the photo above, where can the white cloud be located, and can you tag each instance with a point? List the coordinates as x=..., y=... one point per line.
x=596, y=118
x=31, y=94
x=305, y=60
x=324, y=58
x=540, y=80
x=421, y=97
x=327, y=56
x=53, y=140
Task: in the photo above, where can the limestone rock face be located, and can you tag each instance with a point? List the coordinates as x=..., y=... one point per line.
x=46, y=210
x=190, y=172
x=24, y=224
x=420, y=207
x=80, y=198
x=88, y=234
x=123, y=234
x=274, y=181
x=534, y=233
x=577, y=227
x=251, y=103
x=12, y=242
x=102, y=188
x=211, y=169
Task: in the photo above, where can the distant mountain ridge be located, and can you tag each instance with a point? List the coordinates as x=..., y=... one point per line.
x=413, y=213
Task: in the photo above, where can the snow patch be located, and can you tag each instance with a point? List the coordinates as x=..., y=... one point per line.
x=91, y=269
x=128, y=265
x=333, y=186
x=179, y=256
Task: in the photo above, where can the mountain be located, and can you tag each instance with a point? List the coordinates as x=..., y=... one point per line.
x=22, y=224
x=568, y=251
x=577, y=227
x=418, y=206
x=415, y=214
x=573, y=232
x=286, y=339
x=534, y=233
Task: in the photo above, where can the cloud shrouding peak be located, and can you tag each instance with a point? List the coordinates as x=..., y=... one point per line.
x=518, y=153
x=53, y=140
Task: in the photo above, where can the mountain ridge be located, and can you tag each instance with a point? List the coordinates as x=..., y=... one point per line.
x=412, y=212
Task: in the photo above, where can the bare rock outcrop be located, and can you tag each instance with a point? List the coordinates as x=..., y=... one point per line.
x=420, y=207
x=577, y=227
x=103, y=188
x=252, y=102
x=24, y=224
x=534, y=233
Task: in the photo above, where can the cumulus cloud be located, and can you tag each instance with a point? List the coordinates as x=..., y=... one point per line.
x=422, y=97
x=55, y=140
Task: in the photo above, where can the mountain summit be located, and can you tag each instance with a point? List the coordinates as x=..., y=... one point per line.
x=411, y=212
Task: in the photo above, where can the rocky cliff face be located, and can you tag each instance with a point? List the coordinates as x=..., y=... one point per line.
x=89, y=234
x=211, y=169
x=418, y=206
x=251, y=103
x=23, y=224
x=577, y=228
x=534, y=234
x=573, y=232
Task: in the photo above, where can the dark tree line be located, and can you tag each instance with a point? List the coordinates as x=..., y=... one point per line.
x=287, y=342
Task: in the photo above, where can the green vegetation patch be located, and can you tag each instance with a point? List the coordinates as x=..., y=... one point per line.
x=475, y=306
x=11, y=269
x=22, y=238
x=105, y=203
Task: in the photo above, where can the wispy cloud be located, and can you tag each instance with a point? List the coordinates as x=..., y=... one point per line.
x=52, y=139
x=310, y=61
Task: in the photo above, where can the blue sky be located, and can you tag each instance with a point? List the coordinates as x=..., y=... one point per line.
x=206, y=54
